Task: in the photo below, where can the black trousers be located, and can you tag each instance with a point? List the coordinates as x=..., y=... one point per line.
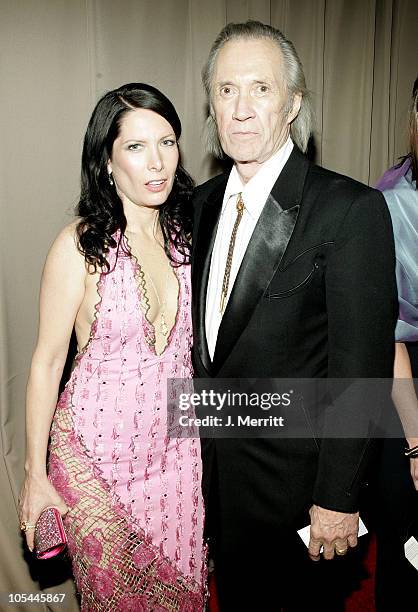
x=268, y=569
x=284, y=578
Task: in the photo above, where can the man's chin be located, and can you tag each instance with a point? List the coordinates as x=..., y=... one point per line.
x=241, y=155
x=245, y=161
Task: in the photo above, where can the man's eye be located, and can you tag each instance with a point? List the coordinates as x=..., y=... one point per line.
x=262, y=89
x=226, y=91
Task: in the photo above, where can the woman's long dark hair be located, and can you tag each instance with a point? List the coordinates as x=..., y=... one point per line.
x=413, y=132
x=100, y=208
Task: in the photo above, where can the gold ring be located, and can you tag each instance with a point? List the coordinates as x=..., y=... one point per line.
x=26, y=525
x=340, y=551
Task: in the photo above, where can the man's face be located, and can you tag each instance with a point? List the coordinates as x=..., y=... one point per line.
x=249, y=100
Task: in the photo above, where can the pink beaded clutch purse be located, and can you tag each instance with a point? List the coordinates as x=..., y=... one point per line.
x=49, y=536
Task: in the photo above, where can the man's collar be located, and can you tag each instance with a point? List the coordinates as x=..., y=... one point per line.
x=256, y=191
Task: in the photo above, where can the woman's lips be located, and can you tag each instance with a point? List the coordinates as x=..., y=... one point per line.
x=156, y=185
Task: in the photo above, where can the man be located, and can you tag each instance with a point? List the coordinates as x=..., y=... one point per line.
x=293, y=276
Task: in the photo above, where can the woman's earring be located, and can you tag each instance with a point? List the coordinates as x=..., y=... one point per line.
x=110, y=177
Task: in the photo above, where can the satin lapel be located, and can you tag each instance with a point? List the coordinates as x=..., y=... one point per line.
x=202, y=254
x=264, y=253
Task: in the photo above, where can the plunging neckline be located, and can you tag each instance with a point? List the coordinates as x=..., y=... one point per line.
x=149, y=327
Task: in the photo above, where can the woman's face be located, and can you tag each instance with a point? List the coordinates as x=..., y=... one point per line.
x=144, y=159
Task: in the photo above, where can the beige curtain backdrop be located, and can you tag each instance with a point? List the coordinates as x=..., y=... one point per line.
x=58, y=56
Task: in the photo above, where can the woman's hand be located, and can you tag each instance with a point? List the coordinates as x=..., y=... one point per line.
x=37, y=494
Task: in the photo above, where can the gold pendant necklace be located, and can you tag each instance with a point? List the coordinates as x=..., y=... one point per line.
x=163, y=324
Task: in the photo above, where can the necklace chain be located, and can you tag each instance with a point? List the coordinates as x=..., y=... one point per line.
x=163, y=323
x=163, y=327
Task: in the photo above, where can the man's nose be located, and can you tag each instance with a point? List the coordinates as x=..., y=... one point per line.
x=155, y=160
x=243, y=107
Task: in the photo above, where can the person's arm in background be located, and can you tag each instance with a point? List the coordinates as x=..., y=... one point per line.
x=406, y=402
x=62, y=292
x=402, y=204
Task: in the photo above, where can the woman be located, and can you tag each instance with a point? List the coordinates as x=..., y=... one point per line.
x=397, y=511
x=119, y=274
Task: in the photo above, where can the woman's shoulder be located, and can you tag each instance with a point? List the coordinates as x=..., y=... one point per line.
x=65, y=246
x=69, y=231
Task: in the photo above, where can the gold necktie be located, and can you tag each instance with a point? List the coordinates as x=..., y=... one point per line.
x=227, y=274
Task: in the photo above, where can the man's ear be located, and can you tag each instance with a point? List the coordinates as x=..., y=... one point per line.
x=294, y=111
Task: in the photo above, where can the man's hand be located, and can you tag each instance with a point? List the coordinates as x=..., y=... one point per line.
x=335, y=531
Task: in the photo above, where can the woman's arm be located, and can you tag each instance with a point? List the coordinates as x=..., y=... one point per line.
x=406, y=402
x=62, y=292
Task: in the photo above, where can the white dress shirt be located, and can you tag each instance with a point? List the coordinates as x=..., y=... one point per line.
x=254, y=196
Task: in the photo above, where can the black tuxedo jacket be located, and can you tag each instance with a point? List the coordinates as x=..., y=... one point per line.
x=315, y=296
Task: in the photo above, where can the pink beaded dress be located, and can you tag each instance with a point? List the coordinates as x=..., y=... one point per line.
x=135, y=524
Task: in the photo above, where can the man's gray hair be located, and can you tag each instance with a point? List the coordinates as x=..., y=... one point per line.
x=301, y=126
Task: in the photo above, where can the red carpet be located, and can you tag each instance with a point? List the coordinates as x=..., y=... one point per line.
x=213, y=599
x=363, y=600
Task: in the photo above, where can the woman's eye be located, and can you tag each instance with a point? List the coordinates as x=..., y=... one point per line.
x=169, y=142
x=134, y=147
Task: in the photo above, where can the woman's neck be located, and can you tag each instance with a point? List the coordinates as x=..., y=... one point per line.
x=142, y=221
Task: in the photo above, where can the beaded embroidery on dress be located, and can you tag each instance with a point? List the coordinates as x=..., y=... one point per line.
x=135, y=524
